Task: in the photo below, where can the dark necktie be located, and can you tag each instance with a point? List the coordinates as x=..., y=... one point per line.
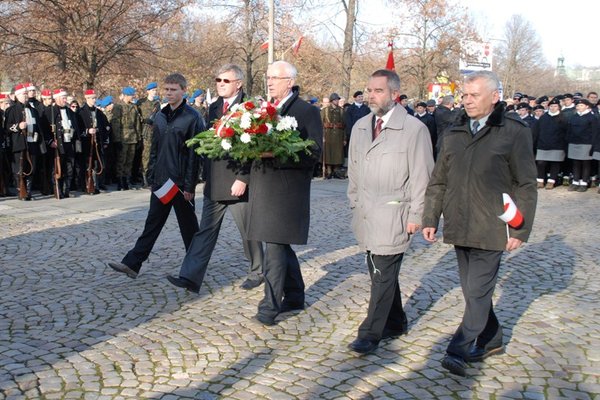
x=475, y=128
x=225, y=107
x=377, y=129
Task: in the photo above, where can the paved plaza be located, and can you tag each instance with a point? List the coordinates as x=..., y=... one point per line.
x=72, y=328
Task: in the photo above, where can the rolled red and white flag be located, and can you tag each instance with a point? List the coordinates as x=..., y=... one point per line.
x=167, y=191
x=512, y=216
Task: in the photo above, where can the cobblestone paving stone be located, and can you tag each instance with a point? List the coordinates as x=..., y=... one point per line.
x=71, y=328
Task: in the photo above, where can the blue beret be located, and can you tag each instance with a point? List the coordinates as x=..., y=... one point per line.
x=128, y=91
x=151, y=85
x=98, y=102
x=197, y=93
x=108, y=100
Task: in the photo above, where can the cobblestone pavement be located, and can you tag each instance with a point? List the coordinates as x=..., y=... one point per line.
x=72, y=328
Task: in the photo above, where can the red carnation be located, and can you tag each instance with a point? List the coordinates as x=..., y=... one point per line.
x=262, y=129
x=271, y=111
x=249, y=105
x=226, y=132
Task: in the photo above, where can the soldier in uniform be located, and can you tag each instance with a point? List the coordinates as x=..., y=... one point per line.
x=22, y=121
x=568, y=109
x=4, y=151
x=113, y=113
x=429, y=120
x=95, y=125
x=199, y=103
x=353, y=113
x=333, y=136
x=131, y=126
x=66, y=132
x=148, y=106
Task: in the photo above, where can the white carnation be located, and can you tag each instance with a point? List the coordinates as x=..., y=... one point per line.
x=234, y=107
x=245, y=137
x=225, y=144
x=287, y=123
x=246, y=120
x=270, y=126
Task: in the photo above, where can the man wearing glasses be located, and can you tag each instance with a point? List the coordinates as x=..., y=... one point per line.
x=226, y=187
x=279, y=205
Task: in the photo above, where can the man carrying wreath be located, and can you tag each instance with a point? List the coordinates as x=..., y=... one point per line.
x=226, y=187
x=279, y=204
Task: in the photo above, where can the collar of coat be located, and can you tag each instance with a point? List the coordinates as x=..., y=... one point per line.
x=397, y=118
x=497, y=118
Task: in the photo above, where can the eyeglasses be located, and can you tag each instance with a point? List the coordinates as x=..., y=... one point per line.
x=278, y=78
x=219, y=80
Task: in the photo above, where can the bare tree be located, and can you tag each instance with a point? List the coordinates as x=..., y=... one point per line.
x=350, y=7
x=83, y=38
x=430, y=36
x=519, y=55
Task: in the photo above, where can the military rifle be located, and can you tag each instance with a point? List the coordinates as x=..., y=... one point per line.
x=57, y=167
x=92, y=174
x=24, y=155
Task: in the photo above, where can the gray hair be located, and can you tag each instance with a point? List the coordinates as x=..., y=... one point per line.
x=237, y=71
x=492, y=81
x=448, y=100
x=393, y=80
x=291, y=71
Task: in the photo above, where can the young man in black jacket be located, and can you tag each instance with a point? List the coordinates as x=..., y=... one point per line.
x=170, y=158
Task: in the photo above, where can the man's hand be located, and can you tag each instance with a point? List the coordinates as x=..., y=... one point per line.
x=513, y=244
x=92, y=131
x=429, y=234
x=188, y=196
x=238, y=188
x=22, y=125
x=411, y=228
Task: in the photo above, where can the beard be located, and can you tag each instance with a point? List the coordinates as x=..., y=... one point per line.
x=383, y=109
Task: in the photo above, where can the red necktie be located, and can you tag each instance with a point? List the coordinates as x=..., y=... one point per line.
x=225, y=107
x=276, y=103
x=377, y=129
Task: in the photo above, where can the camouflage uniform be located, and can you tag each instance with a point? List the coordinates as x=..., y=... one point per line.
x=148, y=108
x=115, y=146
x=132, y=133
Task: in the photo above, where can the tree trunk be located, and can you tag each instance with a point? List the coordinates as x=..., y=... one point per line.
x=348, y=45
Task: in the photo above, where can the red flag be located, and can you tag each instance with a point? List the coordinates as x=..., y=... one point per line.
x=512, y=216
x=296, y=45
x=390, y=61
x=167, y=191
x=265, y=45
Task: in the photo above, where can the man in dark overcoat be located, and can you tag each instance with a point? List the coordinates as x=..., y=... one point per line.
x=279, y=206
x=485, y=155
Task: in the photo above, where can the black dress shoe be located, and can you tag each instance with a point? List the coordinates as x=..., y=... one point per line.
x=184, y=283
x=251, y=283
x=455, y=365
x=393, y=333
x=267, y=321
x=480, y=353
x=363, y=346
x=287, y=306
x=120, y=267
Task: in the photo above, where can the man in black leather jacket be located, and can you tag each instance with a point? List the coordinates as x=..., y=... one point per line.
x=170, y=158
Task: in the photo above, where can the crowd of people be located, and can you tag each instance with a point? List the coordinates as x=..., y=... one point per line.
x=404, y=168
x=51, y=144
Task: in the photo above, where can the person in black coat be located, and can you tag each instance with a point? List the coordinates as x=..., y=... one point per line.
x=280, y=199
x=95, y=124
x=353, y=113
x=64, y=132
x=582, y=129
x=429, y=120
x=444, y=118
x=550, y=133
x=22, y=122
x=226, y=187
x=170, y=160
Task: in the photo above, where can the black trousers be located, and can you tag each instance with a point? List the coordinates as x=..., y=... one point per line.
x=478, y=271
x=156, y=219
x=196, y=260
x=582, y=170
x=283, y=279
x=385, y=304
